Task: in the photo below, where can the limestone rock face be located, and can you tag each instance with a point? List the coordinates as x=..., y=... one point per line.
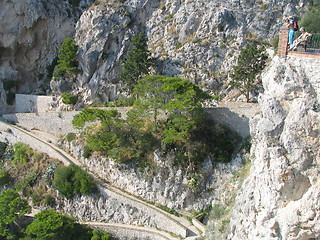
x=31, y=33
x=280, y=198
x=199, y=40
x=163, y=183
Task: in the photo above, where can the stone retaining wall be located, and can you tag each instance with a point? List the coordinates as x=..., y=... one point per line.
x=56, y=123
x=234, y=115
x=133, y=232
x=25, y=103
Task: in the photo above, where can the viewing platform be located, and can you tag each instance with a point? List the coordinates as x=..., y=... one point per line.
x=309, y=49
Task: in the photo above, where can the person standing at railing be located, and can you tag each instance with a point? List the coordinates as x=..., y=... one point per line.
x=290, y=24
x=302, y=38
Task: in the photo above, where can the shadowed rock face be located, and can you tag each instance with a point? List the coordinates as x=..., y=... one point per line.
x=279, y=200
x=31, y=33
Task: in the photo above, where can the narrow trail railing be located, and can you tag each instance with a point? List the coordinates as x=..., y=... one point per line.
x=311, y=50
x=311, y=46
x=176, y=225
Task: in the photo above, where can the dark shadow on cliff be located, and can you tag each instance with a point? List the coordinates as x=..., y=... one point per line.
x=230, y=119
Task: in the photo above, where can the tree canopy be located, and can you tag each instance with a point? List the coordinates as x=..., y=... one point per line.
x=166, y=115
x=137, y=61
x=11, y=208
x=67, y=58
x=72, y=180
x=175, y=97
x=251, y=62
x=311, y=20
x=51, y=225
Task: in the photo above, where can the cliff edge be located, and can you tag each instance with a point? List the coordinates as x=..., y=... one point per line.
x=280, y=198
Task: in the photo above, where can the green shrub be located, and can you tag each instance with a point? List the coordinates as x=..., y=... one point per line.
x=3, y=147
x=137, y=61
x=49, y=200
x=69, y=99
x=86, y=152
x=98, y=234
x=217, y=211
x=311, y=21
x=8, y=85
x=25, y=185
x=36, y=198
x=314, y=3
x=122, y=102
x=67, y=59
x=22, y=153
x=72, y=180
x=5, y=177
x=50, y=68
x=70, y=137
x=10, y=97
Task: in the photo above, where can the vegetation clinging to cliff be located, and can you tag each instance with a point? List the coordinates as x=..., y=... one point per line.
x=167, y=115
x=67, y=59
x=251, y=62
x=137, y=62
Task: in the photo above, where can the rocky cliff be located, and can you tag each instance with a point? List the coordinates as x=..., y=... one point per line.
x=198, y=39
x=31, y=33
x=280, y=198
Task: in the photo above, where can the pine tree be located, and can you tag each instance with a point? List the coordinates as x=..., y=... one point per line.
x=137, y=62
x=67, y=59
x=11, y=208
x=251, y=62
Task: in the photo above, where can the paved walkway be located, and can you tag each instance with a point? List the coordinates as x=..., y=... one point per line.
x=45, y=142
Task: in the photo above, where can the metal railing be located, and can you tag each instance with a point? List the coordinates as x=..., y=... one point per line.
x=311, y=46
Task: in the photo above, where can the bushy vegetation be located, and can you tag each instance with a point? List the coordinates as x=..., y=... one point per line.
x=311, y=20
x=22, y=153
x=11, y=208
x=47, y=225
x=167, y=115
x=32, y=179
x=122, y=102
x=120, y=139
x=67, y=59
x=5, y=177
x=3, y=147
x=69, y=99
x=9, y=87
x=27, y=171
x=70, y=136
x=72, y=180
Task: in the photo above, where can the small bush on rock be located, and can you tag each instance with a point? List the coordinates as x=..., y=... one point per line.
x=72, y=180
x=69, y=99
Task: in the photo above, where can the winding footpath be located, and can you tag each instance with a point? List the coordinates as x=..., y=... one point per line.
x=168, y=225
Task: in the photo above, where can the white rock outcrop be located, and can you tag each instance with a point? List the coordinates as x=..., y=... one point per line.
x=199, y=40
x=280, y=198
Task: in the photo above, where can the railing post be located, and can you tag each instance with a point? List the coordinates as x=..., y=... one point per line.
x=283, y=40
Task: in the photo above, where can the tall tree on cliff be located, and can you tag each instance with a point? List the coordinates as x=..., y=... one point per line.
x=67, y=59
x=251, y=62
x=137, y=62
